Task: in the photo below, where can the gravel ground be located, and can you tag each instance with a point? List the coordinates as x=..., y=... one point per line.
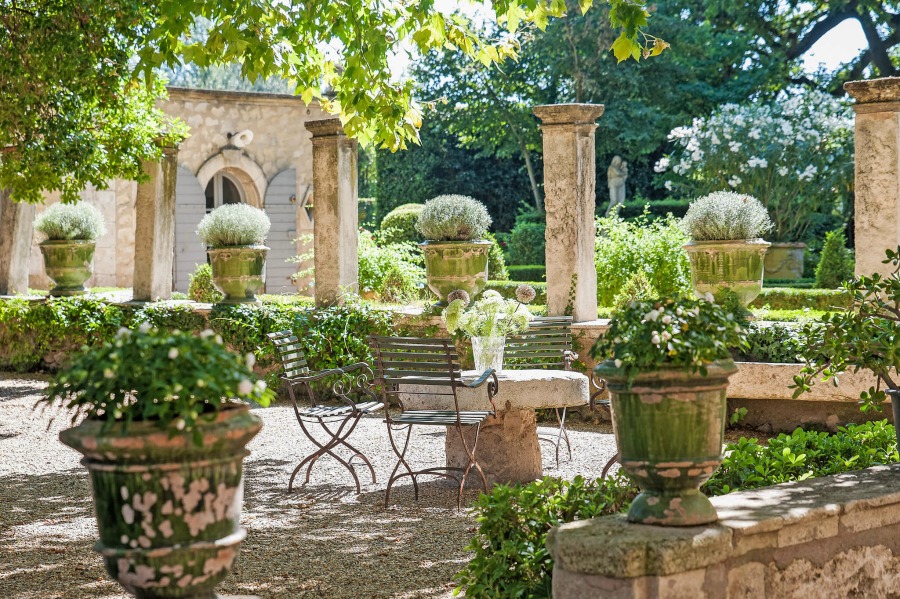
x=322, y=541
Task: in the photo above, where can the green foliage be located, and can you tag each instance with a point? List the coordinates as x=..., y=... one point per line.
x=366, y=211
x=165, y=316
x=686, y=334
x=836, y=262
x=802, y=455
x=801, y=283
x=507, y=289
x=234, y=225
x=803, y=315
x=201, y=288
x=637, y=288
x=797, y=299
x=527, y=244
x=654, y=209
x=511, y=557
x=725, y=216
x=496, y=263
x=775, y=342
x=172, y=378
x=654, y=248
x=527, y=272
x=395, y=272
x=399, y=225
x=453, y=218
x=862, y=338
x=80, y=221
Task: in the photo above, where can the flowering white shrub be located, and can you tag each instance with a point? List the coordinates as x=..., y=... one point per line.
x=726, y=215
x=490, y=316
x=453, y=218
x=795, y=154
x=233, y=225
x=66, y=222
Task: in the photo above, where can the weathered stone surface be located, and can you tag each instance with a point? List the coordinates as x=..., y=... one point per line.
x=858, y=572
x=336, y=214
x=759, y=380
x=16, y=232
x=155, y=230
x=747, y=581
x=569, y=202
x=508, y=449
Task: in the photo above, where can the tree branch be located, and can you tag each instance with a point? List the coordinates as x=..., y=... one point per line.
x=877, y=46
x=819, y=30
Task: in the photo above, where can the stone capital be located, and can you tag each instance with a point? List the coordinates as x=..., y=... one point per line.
x=568, y=114
x=886, y=89
x=325, y=128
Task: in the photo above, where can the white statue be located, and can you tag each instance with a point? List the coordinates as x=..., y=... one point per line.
x=616, y=175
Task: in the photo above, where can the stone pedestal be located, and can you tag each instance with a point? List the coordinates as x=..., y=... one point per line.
x=16, y=232
x=336, y=222
x=569, y=182
x=877, y=141
x=508, y=449
x=154, y=248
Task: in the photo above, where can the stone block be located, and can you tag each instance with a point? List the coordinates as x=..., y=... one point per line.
x=747, y=581
x=806, y=532
x=684, y=585
x=864, y=519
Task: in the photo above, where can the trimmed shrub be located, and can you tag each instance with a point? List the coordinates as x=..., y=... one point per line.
x=527, y=272
x=395, y=272
x=496, y=264
x=637, y=288
x=655, y=209
x=507, y=290
x=726, y=215
x=232, y=225
x=67, y=222
x=453, y=218
x=201, y=288
x=798, y=299
x=399, y=225
x=836, y=264
x=527, y=244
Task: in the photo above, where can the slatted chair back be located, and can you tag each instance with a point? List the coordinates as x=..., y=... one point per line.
x=547, y=343
x=430, y=363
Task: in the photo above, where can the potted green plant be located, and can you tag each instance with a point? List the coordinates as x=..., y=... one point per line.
x=456, y=256
x=163, y=437
x=487, y=322
x=726, y=250
x=864, y=337
x=234, y=235
x=666, y=365
x=71, y=231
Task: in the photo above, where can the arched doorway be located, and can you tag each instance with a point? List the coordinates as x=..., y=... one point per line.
x=224, y=188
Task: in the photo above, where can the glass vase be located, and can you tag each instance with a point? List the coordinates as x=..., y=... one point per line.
x=488, y=353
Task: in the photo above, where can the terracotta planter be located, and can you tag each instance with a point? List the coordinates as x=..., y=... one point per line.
x=785, y=261
x=167, y=510
x=719, y=266
x=451, y=265
x=238, y=272
x=669, y=426
x=69, y=263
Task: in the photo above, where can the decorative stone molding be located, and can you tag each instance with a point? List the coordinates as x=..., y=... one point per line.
x=240, y=166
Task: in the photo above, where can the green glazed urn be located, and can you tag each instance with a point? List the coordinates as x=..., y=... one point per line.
x=452, y=265
x=785, y=261
x=237, y=272
x=69, y=263
x=168, y=510
x=720, y=266
x=670, y=427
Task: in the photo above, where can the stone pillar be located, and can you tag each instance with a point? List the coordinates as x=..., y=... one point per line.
x=569, y=201
x=154, y=229
x=336, y=219
x=877, y=139
x=16, y=233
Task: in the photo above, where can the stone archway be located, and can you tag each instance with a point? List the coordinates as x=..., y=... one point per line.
x=240, y=167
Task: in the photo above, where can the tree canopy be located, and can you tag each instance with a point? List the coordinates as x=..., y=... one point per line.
x=72, y=112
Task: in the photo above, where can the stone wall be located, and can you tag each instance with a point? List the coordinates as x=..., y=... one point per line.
x=831, y=537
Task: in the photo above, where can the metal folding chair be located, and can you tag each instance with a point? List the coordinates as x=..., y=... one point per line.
x=546, y=344
x=599, y=386
x=338, y=421
x=432, y=365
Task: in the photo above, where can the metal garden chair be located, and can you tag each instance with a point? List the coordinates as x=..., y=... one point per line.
x=432, y=367
x=338, y=421
x=546, y=344
x=599, y=385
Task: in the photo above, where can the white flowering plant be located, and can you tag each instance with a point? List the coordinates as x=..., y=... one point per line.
x=233, y=225
x=489, y=316
x=726, y=215
x=71, y=222
x=685, y=333
x=794, y=153
x=453, y=218
x=171, y=378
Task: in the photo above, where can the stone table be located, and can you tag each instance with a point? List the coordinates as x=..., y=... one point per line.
x=508, y=448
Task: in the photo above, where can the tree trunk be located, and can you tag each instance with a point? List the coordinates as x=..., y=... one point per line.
x=538, y=200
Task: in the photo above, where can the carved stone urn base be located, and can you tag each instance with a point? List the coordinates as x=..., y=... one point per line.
x=238, y=272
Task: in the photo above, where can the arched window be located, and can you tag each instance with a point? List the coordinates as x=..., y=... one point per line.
x=223, y=189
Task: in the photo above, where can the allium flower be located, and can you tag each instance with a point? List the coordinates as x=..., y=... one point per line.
x=459, y=294
x=525, y=294
x=245, y=387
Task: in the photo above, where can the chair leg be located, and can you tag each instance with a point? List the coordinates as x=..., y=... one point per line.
x=401, y=455
x=472, y=462
x=562, y=435
x=336, y=437
x=609, y=465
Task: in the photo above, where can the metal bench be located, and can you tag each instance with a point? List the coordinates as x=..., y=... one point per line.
x=433, y=365
x=546, y=344
x=338, y=421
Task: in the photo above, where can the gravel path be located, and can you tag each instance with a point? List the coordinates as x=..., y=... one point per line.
x=322, y=541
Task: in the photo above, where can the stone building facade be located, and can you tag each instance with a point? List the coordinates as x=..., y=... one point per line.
x=248, y=147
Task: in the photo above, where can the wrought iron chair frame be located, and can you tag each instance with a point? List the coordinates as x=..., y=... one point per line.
x=599, y=386
x=430, y=363
x=549, y=344
x=339, y=421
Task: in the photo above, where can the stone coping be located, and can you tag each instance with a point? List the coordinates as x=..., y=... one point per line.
x=766, y=380
x=776, y=517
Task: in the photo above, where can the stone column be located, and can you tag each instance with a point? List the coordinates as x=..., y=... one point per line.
x=877, y=139
x=569, y=201
x=16, y=233
x=336, y=219
x=154, y=229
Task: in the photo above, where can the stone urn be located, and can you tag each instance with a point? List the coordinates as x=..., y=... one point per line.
x=238, y=272
x=168, y=510
x=69, y=263
x=669, y=426
x=452, y=265
x=785, y=261
x=732, y=265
